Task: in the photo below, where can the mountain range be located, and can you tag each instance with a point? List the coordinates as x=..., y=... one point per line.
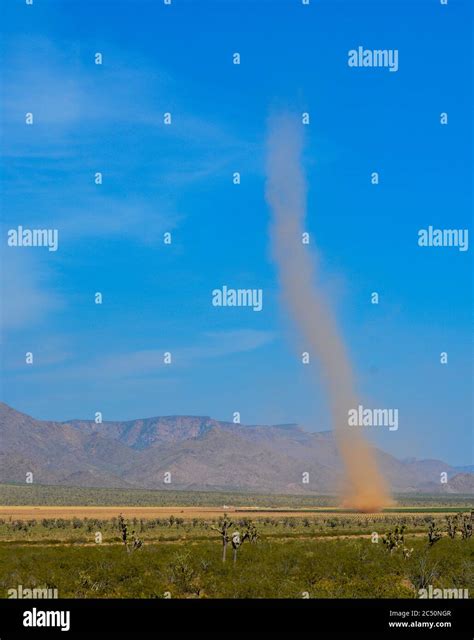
x=198, y=453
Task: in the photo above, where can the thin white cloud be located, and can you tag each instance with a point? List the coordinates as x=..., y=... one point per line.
x=27, y=297
x=101, y=216
x=212, y=345
x=73, y=100
x=150, y=362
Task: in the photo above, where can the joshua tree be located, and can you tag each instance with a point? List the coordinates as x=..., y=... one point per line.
x=466, y=524
x=251, y=533
x=223, y=529
x=434, y=534
x=123, y=529
x=394, y=539
x=136, y=542
x=452, y=523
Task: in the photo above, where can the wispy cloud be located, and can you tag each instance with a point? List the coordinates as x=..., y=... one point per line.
x=75, y=103
x=211, y=345
x=73, y=100
x=27, y=293
x=150, y=362
x=138, y=219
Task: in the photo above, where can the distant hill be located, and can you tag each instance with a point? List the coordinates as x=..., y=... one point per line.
x=458, y=483
x=200, y=454
x=467, y=469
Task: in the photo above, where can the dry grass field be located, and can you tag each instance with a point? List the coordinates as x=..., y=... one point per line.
x=72, y=540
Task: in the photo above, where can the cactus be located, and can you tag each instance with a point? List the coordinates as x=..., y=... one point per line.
x=223, y=529
x=395, y=539
x=123, y=528
x=136, y=543
x=251, y=533
x=466, y=525
x=236, y=539
x=452, y=523
x=434, y=534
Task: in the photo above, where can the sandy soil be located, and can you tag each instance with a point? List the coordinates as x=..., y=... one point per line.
x=205, y=513
x=104, y=513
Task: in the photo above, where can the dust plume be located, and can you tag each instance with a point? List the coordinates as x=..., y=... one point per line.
x=286, y=195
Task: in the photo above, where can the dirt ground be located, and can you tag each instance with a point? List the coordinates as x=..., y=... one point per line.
x=105, y=513
x=204, y=513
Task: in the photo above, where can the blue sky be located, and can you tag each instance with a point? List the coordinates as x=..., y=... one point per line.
x=178, y=178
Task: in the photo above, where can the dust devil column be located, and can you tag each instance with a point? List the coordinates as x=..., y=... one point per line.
x=286, y=195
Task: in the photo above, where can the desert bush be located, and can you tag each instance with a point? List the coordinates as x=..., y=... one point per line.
x=424, y=572
x=274, y=569
x=182, y=574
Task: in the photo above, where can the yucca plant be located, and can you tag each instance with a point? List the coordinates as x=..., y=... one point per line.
x=434, y=534
x=452, y=523
x=223, y=530
x=135, y=543
x=466, y=524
